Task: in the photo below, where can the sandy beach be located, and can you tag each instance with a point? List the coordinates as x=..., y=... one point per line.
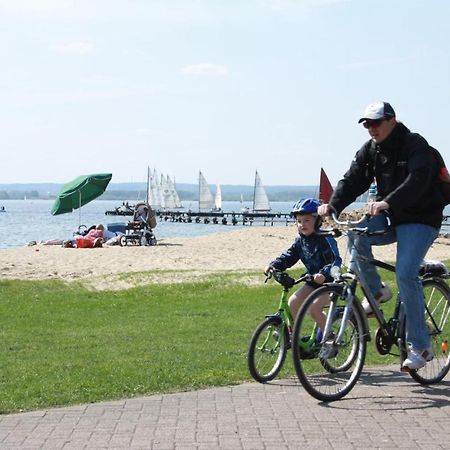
x=248, y=249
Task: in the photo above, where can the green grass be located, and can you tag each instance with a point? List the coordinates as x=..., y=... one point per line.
x=62, y=344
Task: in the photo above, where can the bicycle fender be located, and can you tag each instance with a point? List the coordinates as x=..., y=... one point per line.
x=277, y=318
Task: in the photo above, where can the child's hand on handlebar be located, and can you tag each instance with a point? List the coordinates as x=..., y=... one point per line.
x=268, y=271
x=375, y=208
x=319, y=278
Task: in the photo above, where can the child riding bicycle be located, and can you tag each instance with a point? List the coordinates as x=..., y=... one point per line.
x=318, y=254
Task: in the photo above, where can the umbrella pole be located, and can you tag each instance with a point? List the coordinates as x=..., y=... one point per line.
x=79, y=211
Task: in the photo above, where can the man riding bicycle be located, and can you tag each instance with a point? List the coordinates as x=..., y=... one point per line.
x=405, y=172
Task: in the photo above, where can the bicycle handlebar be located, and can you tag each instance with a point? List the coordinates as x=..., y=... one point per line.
x=352, y=224
x=284, y=279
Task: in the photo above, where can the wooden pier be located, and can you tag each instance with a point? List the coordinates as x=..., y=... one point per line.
x=225, y=218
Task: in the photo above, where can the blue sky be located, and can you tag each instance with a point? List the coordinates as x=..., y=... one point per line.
x=222, y=86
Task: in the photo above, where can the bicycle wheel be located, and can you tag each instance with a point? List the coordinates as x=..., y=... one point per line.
x=332, y=368
x=343, y=364
x=437, y=301
x=267, y=350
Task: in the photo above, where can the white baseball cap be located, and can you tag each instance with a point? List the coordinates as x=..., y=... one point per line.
x=378, y=110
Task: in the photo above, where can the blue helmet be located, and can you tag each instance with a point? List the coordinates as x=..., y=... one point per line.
x=305, y=206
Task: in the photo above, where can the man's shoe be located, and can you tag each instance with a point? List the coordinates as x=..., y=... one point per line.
x=382, y=296
x=417, y=358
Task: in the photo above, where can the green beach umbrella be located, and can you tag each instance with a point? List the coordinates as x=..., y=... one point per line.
x=79, y=192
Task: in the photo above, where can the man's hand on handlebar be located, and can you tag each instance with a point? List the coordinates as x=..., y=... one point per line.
x=375, y=208
x=325, y=210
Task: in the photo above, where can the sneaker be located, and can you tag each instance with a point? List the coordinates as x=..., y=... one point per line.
x=382, y=296
x=417, y=358
x=329, y=348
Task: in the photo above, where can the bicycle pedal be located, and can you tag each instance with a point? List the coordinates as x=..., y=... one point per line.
x=405, y=369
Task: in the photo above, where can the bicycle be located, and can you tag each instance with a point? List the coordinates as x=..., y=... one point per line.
x=339, y=362
x=271, y=339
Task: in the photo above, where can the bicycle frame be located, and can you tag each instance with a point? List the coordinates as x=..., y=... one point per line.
x=352, y=280
x=284, y=313
x=364, y=286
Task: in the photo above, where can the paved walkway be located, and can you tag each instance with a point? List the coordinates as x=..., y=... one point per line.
x=386, y=409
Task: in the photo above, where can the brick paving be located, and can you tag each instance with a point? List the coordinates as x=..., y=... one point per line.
x=386, y=410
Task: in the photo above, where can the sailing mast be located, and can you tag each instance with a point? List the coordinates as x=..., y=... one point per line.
x=147, y=199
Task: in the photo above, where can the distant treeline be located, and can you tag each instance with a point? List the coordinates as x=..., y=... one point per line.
x=137, y=191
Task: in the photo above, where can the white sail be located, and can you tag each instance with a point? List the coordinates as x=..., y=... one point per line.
x=165, y=193
x=218, y=199
x=205, y=197
x=176, y=197
x=153, y=197
x=169, y=198
x=158, y=192
x=260, y=200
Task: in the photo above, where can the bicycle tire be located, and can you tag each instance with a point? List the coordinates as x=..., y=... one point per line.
x=330, y=375
x=437, y=300
x=267, y=350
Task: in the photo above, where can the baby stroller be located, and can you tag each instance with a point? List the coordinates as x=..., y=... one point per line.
x=140, y=230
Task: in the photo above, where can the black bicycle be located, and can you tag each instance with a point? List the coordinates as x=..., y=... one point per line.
x=340, y=359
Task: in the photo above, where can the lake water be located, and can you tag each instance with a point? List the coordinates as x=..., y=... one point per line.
x=30, y=220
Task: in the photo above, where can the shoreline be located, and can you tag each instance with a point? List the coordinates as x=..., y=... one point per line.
x=249, y=249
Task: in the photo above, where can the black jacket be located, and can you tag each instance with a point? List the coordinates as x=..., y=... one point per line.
x=406, y=173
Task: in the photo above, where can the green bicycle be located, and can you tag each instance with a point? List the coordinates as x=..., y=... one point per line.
x=272, y=337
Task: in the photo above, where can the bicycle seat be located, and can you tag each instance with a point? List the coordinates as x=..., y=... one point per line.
x=433, y=268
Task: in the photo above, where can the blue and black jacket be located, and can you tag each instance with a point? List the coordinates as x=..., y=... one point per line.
x=318, y=254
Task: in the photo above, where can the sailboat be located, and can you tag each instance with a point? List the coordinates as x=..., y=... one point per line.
x=260, y=200
x=174, y=193
x=169, y=201
x=152, y=195
x=218, y=199
x=205, y=197
x=162, y=192
x=325, y=188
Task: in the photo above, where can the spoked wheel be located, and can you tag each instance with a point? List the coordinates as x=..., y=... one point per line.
x=437, y=301
x=268, y=348
x=342, y=364
x=338, y=360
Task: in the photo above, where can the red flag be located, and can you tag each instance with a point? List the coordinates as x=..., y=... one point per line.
x=325, y=189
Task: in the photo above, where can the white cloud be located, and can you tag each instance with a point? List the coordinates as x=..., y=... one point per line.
x=77, y=48
x=205, y=69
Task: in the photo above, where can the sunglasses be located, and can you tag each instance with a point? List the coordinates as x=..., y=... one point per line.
x=373, y=123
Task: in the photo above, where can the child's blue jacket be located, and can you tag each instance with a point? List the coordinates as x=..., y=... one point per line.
x=318, y=253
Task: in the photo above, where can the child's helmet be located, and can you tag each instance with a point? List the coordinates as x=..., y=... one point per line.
x=305, y=206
